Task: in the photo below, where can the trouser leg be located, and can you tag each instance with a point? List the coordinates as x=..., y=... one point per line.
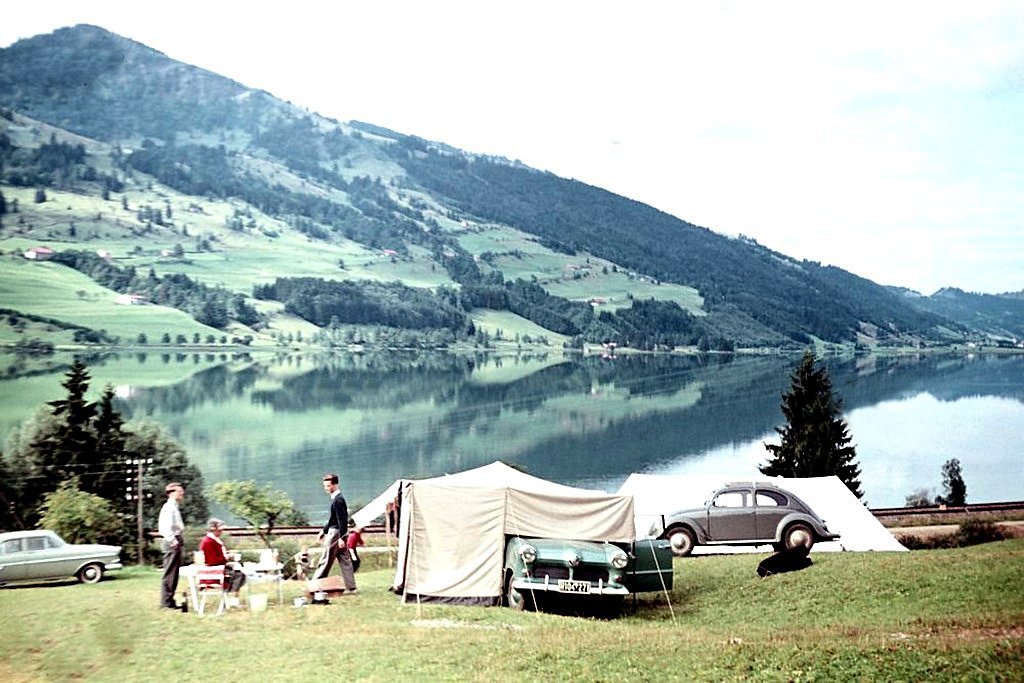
x=169, y=580
x=347, y=573
x=323, y=567
x=235, y=579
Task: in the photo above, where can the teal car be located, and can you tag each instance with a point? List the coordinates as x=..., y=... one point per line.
x=536, y=569
x=42, y=555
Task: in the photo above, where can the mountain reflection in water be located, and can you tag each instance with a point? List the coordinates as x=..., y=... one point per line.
x=373, y=418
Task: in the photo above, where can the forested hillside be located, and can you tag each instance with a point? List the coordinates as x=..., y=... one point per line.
x=269, y=217
x=1001, y=315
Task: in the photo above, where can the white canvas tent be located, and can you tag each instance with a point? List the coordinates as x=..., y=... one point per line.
x=451, y=541
x=844, y=514
x=493, y=474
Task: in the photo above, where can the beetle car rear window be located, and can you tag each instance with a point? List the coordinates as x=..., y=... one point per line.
x=770, y=498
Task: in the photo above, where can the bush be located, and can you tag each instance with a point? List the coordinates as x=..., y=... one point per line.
x=932, y=542
x=976, y=531
x=80, y=517
x=972, y=532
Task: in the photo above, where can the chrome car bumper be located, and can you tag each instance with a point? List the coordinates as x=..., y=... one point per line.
x=600, y=588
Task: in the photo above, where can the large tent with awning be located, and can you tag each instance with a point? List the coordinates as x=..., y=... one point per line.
x=659, y=495
x=452, y=533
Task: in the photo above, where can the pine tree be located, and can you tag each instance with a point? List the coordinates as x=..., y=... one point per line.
x=955, y=490
x=110, y=452
x=816, y=438
x=70, y=450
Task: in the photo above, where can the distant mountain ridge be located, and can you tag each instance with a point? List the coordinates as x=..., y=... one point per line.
x=430, y=207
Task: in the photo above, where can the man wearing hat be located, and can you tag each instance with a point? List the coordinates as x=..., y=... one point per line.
x=171, y=526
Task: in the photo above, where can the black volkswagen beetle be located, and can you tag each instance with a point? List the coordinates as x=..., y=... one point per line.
x=747, y=513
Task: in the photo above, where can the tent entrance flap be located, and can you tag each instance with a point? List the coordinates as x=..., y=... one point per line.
x=456, y=541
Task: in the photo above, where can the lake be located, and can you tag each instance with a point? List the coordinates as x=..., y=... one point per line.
x=285, y=419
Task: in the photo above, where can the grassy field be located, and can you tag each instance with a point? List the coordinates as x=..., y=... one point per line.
x=579, y=278
x=926, y=615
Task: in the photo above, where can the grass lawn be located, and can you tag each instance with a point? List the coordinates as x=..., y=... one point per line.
x=925, y=615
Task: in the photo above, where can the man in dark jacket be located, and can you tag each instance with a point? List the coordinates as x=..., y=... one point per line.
x=334, y=535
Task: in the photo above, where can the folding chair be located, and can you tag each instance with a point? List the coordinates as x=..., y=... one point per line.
x=210, y=581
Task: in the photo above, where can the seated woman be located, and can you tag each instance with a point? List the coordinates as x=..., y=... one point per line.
x=213, y=552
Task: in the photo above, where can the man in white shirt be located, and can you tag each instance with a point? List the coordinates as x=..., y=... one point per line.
x=171, y=526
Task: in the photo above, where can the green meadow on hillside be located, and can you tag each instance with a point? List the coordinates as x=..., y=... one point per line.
x=53, y=291
x=942, y=615
x=579, y=278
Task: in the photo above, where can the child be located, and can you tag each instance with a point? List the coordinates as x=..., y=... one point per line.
x=355, y=539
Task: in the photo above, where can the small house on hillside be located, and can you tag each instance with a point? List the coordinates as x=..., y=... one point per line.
x=131, y=300
x=39, y=254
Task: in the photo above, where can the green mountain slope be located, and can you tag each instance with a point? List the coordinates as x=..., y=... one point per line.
x=175, y=172
x=1001, y=316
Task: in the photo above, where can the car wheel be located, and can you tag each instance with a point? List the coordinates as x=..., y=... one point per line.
x=513, y=598
x=681, y=540
x=91, y=573
x=798, y=535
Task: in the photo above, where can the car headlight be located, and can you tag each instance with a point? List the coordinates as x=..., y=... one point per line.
x=620, y=559
x=528, y=553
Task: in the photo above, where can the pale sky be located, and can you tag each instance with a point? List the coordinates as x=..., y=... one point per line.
x=885, y=138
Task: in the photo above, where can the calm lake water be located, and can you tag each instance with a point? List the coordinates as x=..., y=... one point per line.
x=284, y=420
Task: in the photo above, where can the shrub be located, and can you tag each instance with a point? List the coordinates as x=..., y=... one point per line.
x=975, y=531
x=80, y=517
x=971, y=532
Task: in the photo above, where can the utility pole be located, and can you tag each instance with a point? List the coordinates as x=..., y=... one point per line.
x=138, y=496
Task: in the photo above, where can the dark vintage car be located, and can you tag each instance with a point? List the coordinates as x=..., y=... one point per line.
x=42, y=555
x=536, y=568
x=748, y=513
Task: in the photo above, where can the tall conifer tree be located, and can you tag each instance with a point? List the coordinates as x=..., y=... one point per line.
x=109, y=481
x=815, y=438
x=71, y=449
x=954, y=488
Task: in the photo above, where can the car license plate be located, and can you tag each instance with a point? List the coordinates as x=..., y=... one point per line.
x=566, y=586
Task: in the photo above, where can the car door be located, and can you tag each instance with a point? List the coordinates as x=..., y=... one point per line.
x=731, y=515
x=652, y=566
x=12, y=560
x=770, y=508
x=56, y=559
x=42, y=560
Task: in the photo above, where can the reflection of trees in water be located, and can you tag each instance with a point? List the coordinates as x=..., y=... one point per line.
x=742, y=402
x=736, y=400
x=368, y=383
x=947, y=378
x=736, y=403
x=211, y=386
x=445, y=381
